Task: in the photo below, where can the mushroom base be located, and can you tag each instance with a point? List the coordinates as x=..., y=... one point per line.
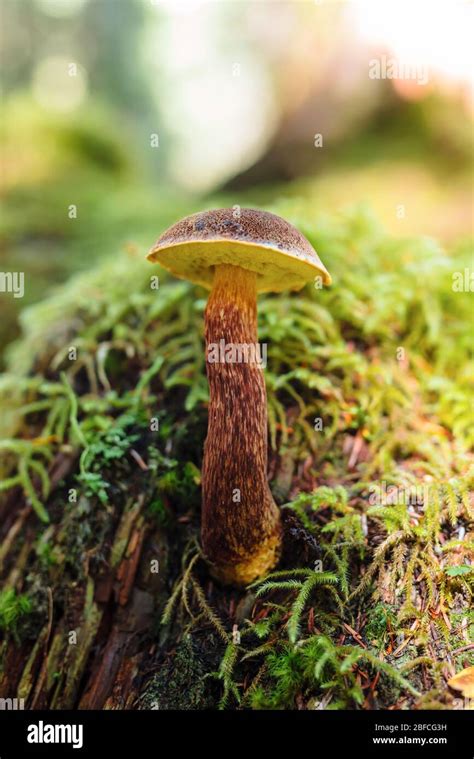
x=241, y=528
x=244, y=572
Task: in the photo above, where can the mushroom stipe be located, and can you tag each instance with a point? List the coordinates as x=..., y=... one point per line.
x=241, y=532
x=241, y=527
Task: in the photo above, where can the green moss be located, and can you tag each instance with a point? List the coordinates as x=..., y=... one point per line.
x=13, y=608
x=320, y=667
x=181, y=682
x=158, y=511
x=381, y=619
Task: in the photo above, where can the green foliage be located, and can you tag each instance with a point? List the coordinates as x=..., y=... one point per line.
x=319, y=666
x=380, y=618
x=157, y=510
x=459, y=571
x=30, y=458
x=13, y=607
x=410, y=552
x=180, y=481
x=323, y=497
x=46, y=553
x=304, y=581
x=107, y=446
x=285, y=667
x=225, y=673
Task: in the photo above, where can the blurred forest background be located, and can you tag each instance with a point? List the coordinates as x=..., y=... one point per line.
x=136, y=112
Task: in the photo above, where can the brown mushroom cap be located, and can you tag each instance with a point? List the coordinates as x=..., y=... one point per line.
x=257, y=240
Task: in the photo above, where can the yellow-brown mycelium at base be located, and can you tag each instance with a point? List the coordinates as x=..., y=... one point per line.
x=241, y=531
x=237, y=253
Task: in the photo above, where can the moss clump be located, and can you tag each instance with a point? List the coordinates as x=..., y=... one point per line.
x=320, y=666
x=14, y=607
x=182, y=681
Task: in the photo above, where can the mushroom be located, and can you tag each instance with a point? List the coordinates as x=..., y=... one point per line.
x=237, y=253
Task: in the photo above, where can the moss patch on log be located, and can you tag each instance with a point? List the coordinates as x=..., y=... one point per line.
x=370, y=457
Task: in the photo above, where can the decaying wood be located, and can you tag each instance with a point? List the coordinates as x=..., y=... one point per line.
x=110, y=612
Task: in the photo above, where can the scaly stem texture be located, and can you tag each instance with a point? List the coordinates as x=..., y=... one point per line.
x=241, y=530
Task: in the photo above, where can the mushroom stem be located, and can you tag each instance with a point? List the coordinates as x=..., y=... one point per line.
x=241, y=531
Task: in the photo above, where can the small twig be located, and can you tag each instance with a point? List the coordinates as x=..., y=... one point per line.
x=44, y=666
x=354, y=634
x=12, y=533
x=143, y=466
x=463, y=648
